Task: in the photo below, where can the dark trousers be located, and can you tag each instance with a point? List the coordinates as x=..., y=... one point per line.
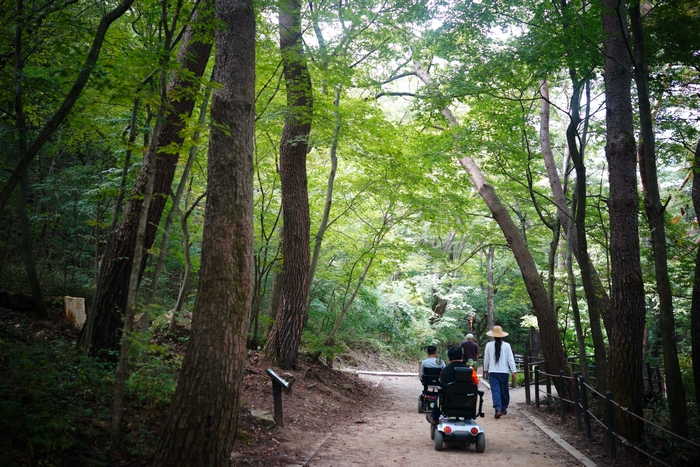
x=499, y=391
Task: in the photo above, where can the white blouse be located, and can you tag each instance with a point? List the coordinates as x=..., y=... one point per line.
x=505, y=364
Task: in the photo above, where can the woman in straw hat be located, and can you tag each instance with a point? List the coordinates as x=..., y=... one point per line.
x=499, y=364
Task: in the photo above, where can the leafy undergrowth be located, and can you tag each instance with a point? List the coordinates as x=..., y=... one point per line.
x=55, y=402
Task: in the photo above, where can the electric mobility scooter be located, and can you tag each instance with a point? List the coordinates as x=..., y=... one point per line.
x=458, y=408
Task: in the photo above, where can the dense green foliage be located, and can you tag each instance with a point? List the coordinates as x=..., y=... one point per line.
x=403, y=263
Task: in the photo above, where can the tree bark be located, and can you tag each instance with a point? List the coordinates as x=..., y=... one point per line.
x=333, y=154
x=695, y=305
x=575, y=223
x=122, y=372
x=133, y=132
x=69, y=101
x=573, y=300
x=104, y=322
x=627, y=310
x=203, y=420
x=165, y=237
x=490, y=292
x=657, y=225
x=21, y=148
x=187, y=270
x=285, y=335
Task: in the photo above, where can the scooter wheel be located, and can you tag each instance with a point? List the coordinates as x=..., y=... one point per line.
x=439, y=440
x=432, y=431
x=480, y=442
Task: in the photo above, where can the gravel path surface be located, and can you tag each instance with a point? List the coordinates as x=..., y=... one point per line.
x=394, y=434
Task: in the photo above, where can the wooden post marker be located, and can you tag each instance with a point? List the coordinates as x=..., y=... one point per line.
x=526, y=369
x=537, y=386
x=278, y=384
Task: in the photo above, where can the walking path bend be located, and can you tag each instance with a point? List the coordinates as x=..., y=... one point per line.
x=392, y=433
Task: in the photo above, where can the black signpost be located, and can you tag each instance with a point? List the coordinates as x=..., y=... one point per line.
x=278, y=384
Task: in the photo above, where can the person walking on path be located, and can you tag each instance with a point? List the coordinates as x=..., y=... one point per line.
x=470, y=350
x=499, y=363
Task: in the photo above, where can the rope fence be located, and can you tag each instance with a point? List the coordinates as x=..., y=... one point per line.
x=579, y=392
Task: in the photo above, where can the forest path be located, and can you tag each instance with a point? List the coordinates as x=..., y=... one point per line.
x=393, y=433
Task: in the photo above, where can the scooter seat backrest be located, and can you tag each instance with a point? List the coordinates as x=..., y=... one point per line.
x=463, y=374
x=431, y=376
x=459, y=398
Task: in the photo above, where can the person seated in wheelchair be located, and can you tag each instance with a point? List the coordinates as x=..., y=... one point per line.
x=454, y=369
x=430, y=368
x=429, y=374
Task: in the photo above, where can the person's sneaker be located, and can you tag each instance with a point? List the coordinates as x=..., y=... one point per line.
x=504, y=412
x=498, y=414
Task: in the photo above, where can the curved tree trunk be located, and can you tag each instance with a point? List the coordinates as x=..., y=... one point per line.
x=555, y=360
x=202, y=423
x=657, y=225
x=104, y=322
x=627, y=311
x=552, y=348
x=285, y=335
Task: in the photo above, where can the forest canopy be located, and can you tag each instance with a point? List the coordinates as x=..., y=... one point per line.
x=329, y=176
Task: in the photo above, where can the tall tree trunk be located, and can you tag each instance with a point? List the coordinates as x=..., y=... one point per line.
x=27, y=247
x=695, y=305
x=490, y=288
x=552, y=263
x=104, y=322
x=52, y=124
x=573, y=300
x=122, y=372
x=333, y=154
x=203, y=420
x=626, y=321
x=575, y=223
x=285, y=336
x=187, y=270
x=655, y=216
x=133, y=132
x=165, y=237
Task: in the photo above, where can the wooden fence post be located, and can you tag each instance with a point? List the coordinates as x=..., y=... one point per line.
x=526, y=369
x=537, y=386
x=584, y=403
x=610, y=416
x=549, y=390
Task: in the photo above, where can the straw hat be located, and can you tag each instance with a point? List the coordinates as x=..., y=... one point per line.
x=497, y=331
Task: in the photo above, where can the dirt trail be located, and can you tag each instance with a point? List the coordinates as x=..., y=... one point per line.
x=394, y=434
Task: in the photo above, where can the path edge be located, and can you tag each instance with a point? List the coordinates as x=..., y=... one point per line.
x=554, y=436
